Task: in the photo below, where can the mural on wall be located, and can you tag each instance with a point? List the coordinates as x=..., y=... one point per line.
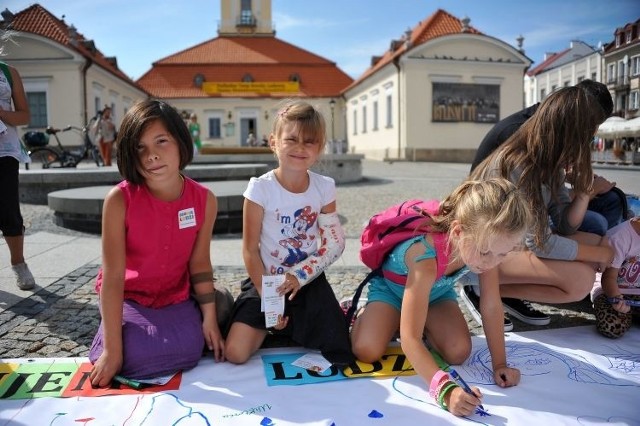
x=455, y=102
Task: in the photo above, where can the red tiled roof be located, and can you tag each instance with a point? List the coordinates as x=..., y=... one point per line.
x=230, y=58
x=37, y=20
x=440, y=23
x=547, y=63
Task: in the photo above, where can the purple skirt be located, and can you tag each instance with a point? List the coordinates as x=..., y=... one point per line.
x=156, y=342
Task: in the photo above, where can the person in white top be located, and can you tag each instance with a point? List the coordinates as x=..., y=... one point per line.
x=291, y=228
x=14, y=111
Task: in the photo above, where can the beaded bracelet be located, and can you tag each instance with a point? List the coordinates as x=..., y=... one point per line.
x=443, y=392
x=438, y=378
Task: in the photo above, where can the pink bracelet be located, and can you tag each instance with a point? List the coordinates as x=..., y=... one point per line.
x=438, y=378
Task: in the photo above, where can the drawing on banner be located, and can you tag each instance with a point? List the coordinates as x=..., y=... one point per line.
x=535, y=359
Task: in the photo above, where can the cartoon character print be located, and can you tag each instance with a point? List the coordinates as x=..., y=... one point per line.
x=629, y=273
x=296, y=233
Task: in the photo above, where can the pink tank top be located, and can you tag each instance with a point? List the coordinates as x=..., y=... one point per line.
x=160, y=237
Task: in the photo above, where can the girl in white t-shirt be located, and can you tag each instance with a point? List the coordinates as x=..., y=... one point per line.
x=291, y=228
x=619, y=296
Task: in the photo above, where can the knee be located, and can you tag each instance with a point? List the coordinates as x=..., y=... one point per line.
x=236, y=354
x=581, y=283
x=366, y=352
x=456, y=353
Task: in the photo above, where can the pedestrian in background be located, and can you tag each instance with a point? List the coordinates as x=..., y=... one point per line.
x=14, y=111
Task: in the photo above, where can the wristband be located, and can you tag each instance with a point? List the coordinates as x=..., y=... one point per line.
x=438, y=379
x=443, y=392
x=201, y=277
x=205, y=298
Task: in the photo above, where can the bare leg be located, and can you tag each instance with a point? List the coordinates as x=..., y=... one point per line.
x=447, y=331
x=523, y=275
x=242, y=342
x=16, y=248
x=373, y=330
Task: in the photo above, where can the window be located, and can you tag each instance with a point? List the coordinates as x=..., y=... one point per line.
x=543, y=93
x=389, y=112
x=566, y=83
x=38, y=109
x=629, y=36
x=593, y=76
x=355, y=122
x=581, y=78
x=634, y=101
x=214, y=128
x=635, y=65
x=375, y=115
x=611, y=73
x=246, y=16
x=364, y=119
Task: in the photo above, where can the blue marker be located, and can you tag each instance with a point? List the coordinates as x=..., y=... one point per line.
x=456, y=377
x=629, y=302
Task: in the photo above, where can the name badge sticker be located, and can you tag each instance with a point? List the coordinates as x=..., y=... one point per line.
x=186, y=218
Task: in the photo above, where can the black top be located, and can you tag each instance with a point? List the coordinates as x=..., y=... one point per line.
x=501, y=132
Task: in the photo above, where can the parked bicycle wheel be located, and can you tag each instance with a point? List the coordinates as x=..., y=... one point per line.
x=94, y=153
x=45, y=158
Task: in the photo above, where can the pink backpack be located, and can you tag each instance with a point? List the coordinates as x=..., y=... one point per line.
x=389, y=228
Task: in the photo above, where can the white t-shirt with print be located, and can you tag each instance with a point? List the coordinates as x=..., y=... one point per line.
x=290, y=222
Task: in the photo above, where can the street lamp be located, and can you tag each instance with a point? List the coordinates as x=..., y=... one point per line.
x=332, y=105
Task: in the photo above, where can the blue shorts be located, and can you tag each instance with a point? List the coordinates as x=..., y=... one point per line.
x=383, y=290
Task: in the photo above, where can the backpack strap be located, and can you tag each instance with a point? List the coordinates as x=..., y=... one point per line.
x=7, y=73
x=358, y=292
x=439, y=240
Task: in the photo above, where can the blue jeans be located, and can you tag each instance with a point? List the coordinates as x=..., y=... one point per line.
x=604, y=212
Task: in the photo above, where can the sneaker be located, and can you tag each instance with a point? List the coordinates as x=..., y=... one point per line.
x=24, y=277
x=525, y=312
x=472, y=301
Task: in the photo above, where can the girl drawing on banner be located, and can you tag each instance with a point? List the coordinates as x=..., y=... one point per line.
x=296, y=240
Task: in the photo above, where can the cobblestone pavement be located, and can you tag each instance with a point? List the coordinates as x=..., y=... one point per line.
x=61, y=319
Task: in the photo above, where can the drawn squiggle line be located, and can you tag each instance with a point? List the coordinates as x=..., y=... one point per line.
x=138, y=398
x=8, y=422
x=612, y=419
x=180, y=403
x=581, y=370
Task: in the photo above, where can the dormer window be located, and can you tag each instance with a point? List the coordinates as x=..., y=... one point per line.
x=629, y=36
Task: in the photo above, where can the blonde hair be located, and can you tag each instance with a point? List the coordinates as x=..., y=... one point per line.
x=310, y=121
x=485, y=209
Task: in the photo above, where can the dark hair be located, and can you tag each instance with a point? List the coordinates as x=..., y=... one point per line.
x=601, y=93
x=135, y=122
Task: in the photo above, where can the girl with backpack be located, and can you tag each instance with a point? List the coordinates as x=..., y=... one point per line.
x=475, y=228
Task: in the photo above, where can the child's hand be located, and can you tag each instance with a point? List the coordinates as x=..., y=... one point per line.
x=621, y=306
x=290, y=285
x=213, y=339
x=461, y=403
x=282, y=322
x=506, y=376
x=104, y=369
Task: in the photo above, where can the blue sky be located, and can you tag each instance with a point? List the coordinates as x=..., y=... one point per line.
x=348, y=32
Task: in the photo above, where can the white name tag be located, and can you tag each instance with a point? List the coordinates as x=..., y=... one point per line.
x=186, y=218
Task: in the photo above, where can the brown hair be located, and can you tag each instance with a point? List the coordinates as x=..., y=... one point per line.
x=310, y=121
x=135, y=122
x=557, y=137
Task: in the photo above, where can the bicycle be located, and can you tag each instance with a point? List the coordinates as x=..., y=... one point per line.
x=58, y=157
